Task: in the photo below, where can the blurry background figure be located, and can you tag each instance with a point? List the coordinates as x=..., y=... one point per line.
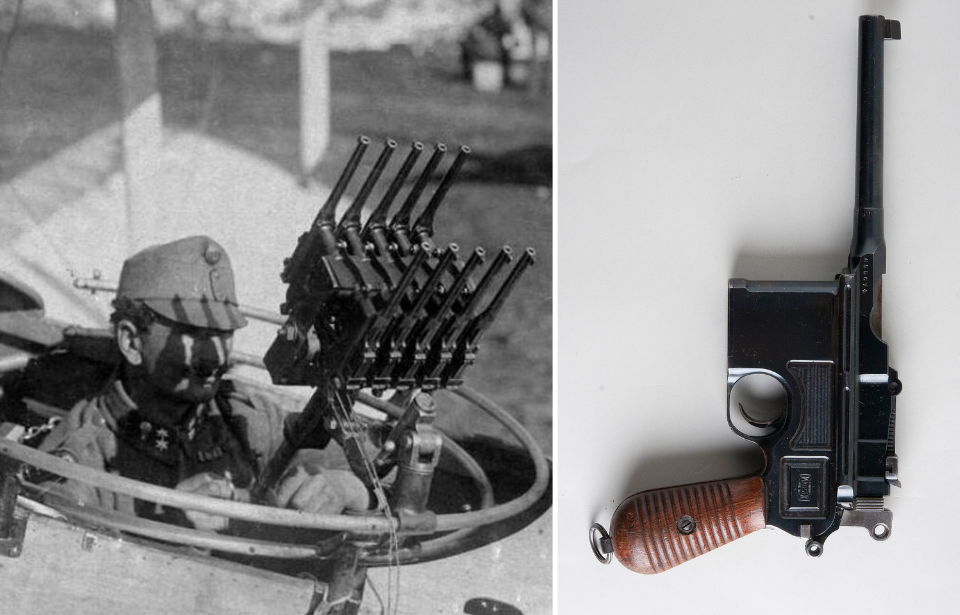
x=508, y=45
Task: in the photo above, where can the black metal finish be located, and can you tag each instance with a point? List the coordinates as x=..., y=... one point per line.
x=400, y=225
x=349, y=228
x=376, y=308
x=423, y=227
x=821, y=341
x=368, y=308
x=375, y=229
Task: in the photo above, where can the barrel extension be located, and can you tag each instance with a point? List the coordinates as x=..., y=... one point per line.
x=829, y=450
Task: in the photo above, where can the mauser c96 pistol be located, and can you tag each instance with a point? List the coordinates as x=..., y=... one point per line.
x=829, y=448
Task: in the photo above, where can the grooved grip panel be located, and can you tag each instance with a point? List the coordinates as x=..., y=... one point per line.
x=816, y=402
x=644, y=527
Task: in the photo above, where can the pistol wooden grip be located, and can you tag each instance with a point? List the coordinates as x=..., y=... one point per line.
x=646, y=528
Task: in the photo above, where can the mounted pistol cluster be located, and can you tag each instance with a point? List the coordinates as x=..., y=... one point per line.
x=379, y=305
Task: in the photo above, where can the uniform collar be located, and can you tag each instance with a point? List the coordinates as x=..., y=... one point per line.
x=159, y=440
x=117, y=403
x=120, y=407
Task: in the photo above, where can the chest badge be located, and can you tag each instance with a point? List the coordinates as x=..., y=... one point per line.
x=162, y=442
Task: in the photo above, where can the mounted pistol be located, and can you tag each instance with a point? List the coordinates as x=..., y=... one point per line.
x=379, y=306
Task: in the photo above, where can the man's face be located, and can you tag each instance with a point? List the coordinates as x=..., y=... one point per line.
x=182, y=362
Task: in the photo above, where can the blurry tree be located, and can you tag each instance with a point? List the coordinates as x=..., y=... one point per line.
x=354, y=24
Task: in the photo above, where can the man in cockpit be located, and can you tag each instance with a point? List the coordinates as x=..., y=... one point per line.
x=168, y=417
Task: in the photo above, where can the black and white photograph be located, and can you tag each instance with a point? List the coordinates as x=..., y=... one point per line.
x=277, y=307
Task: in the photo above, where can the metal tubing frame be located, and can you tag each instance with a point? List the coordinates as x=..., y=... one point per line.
x=368, y=524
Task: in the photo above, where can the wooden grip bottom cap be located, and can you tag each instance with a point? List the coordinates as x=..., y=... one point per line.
x=656, y=530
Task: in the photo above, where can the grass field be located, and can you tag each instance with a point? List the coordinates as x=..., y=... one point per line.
x=59, y=86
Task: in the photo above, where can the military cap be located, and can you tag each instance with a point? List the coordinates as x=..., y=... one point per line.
x=189, y=281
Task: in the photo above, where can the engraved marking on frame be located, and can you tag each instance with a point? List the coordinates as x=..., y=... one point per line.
x=803, y=488
x=807, y=478
x=866, y=274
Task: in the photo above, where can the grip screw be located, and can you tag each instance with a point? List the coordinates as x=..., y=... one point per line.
x=686, y=525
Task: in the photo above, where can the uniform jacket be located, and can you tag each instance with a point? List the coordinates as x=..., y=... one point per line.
x=231, y=436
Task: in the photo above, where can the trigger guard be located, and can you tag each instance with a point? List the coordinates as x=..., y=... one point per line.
x=733, y=376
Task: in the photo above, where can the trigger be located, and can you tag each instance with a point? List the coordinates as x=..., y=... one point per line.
x=752, y=421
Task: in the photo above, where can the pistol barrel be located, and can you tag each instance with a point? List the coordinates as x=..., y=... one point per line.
x=398, y=293
x=328, y=213
x=486, y=318
x=868, y=227
x=428, y=291
x=378, y=219
x=402, y=217
x=400, y=224
x=351, y=219
x=439, y=319
x=504, y=256
x=423, y=227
